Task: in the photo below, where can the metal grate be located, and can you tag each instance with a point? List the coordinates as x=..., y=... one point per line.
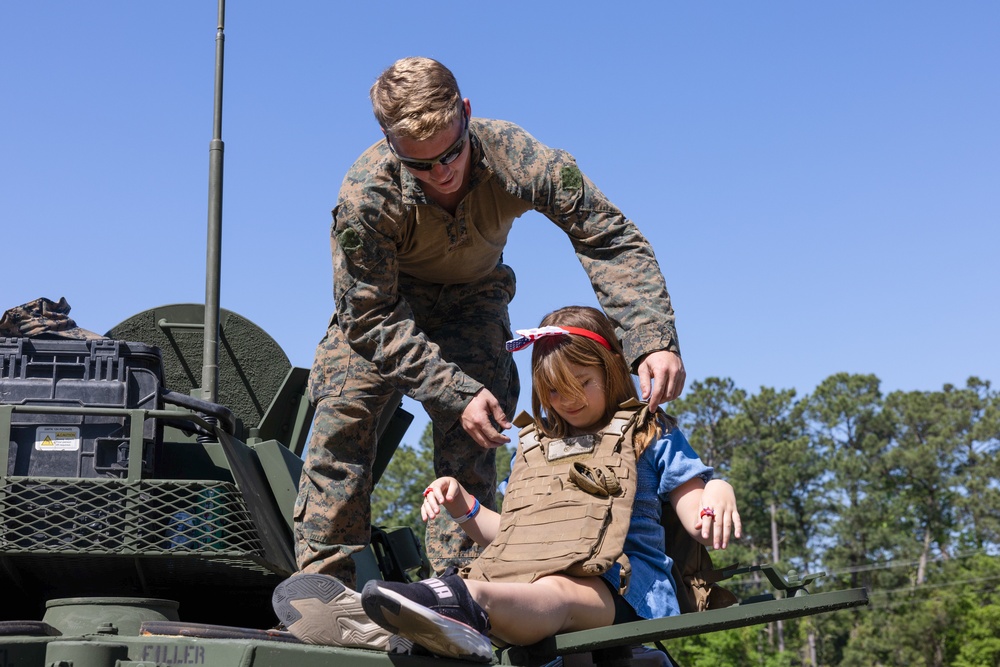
x=118, y=517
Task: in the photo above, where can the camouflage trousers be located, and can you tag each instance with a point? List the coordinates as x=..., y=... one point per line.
x=470, y=323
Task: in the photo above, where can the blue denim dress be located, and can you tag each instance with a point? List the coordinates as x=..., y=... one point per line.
x=665, y=465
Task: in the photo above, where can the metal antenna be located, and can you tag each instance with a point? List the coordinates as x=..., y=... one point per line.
x=210, y=355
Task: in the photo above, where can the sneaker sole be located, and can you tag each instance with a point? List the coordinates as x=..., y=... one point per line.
x=319, y=609
x=439, y=634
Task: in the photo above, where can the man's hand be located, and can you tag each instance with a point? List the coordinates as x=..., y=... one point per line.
x=476, y=420
x=666, y=370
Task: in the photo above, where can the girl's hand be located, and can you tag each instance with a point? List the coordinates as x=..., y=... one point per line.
x=719, y=518
x=444, y=492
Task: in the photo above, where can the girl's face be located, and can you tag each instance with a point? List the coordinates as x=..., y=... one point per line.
x=585, y=414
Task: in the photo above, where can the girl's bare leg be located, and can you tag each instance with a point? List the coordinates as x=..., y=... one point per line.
x=527, y=613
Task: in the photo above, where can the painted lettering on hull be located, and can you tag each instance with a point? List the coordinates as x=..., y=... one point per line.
x=165, y=654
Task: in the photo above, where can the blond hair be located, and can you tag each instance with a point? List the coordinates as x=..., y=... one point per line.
x=416, y=98
x=550, y=359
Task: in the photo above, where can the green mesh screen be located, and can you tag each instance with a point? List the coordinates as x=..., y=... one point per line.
x=115, y=517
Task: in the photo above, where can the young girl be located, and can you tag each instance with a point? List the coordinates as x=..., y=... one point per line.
x=581, y=390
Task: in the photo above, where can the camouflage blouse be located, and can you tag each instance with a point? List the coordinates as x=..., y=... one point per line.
x=384, y=226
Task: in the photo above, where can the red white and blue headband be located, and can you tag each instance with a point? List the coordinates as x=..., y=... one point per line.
x=529, y=336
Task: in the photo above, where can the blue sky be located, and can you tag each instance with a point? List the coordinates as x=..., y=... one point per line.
x=820, y=181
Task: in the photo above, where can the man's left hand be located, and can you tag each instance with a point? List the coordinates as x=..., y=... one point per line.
x=664, y=371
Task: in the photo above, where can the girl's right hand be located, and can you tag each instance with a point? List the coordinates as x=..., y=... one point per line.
x=441, y=493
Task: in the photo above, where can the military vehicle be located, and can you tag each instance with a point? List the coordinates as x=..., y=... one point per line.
x=145, y=512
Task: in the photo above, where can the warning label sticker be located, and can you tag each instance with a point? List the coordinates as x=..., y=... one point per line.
x=57, y=439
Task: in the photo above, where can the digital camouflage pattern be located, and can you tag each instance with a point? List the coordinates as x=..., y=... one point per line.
x=333, y=509
x=42, y=317
x=401, y=263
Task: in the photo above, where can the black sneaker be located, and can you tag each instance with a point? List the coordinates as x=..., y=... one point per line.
x=319, y=609
x=438, y=614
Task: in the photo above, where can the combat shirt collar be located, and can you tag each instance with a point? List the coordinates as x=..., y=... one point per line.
x=410, y=187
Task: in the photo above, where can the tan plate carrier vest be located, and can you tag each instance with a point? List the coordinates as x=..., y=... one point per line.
x=567, y=506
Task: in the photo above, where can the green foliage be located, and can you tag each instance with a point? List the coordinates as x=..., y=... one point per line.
x=953, y=619
x=899, y=494
x=707, y=414
x=852, y=435
x=398, y=495
x=981, y=644
x=729, y=648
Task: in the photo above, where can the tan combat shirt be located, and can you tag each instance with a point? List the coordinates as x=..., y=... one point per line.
x=383, y=225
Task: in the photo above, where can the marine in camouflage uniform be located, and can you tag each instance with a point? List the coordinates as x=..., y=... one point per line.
x=421, y=297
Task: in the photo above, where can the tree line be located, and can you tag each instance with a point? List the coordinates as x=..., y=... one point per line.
x=898, y=493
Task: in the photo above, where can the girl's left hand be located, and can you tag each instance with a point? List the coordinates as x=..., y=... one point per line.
x=719, y=517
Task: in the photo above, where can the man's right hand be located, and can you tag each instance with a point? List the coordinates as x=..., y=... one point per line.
x=476, y=420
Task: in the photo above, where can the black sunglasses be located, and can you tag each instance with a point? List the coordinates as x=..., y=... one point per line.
x=447, y=157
